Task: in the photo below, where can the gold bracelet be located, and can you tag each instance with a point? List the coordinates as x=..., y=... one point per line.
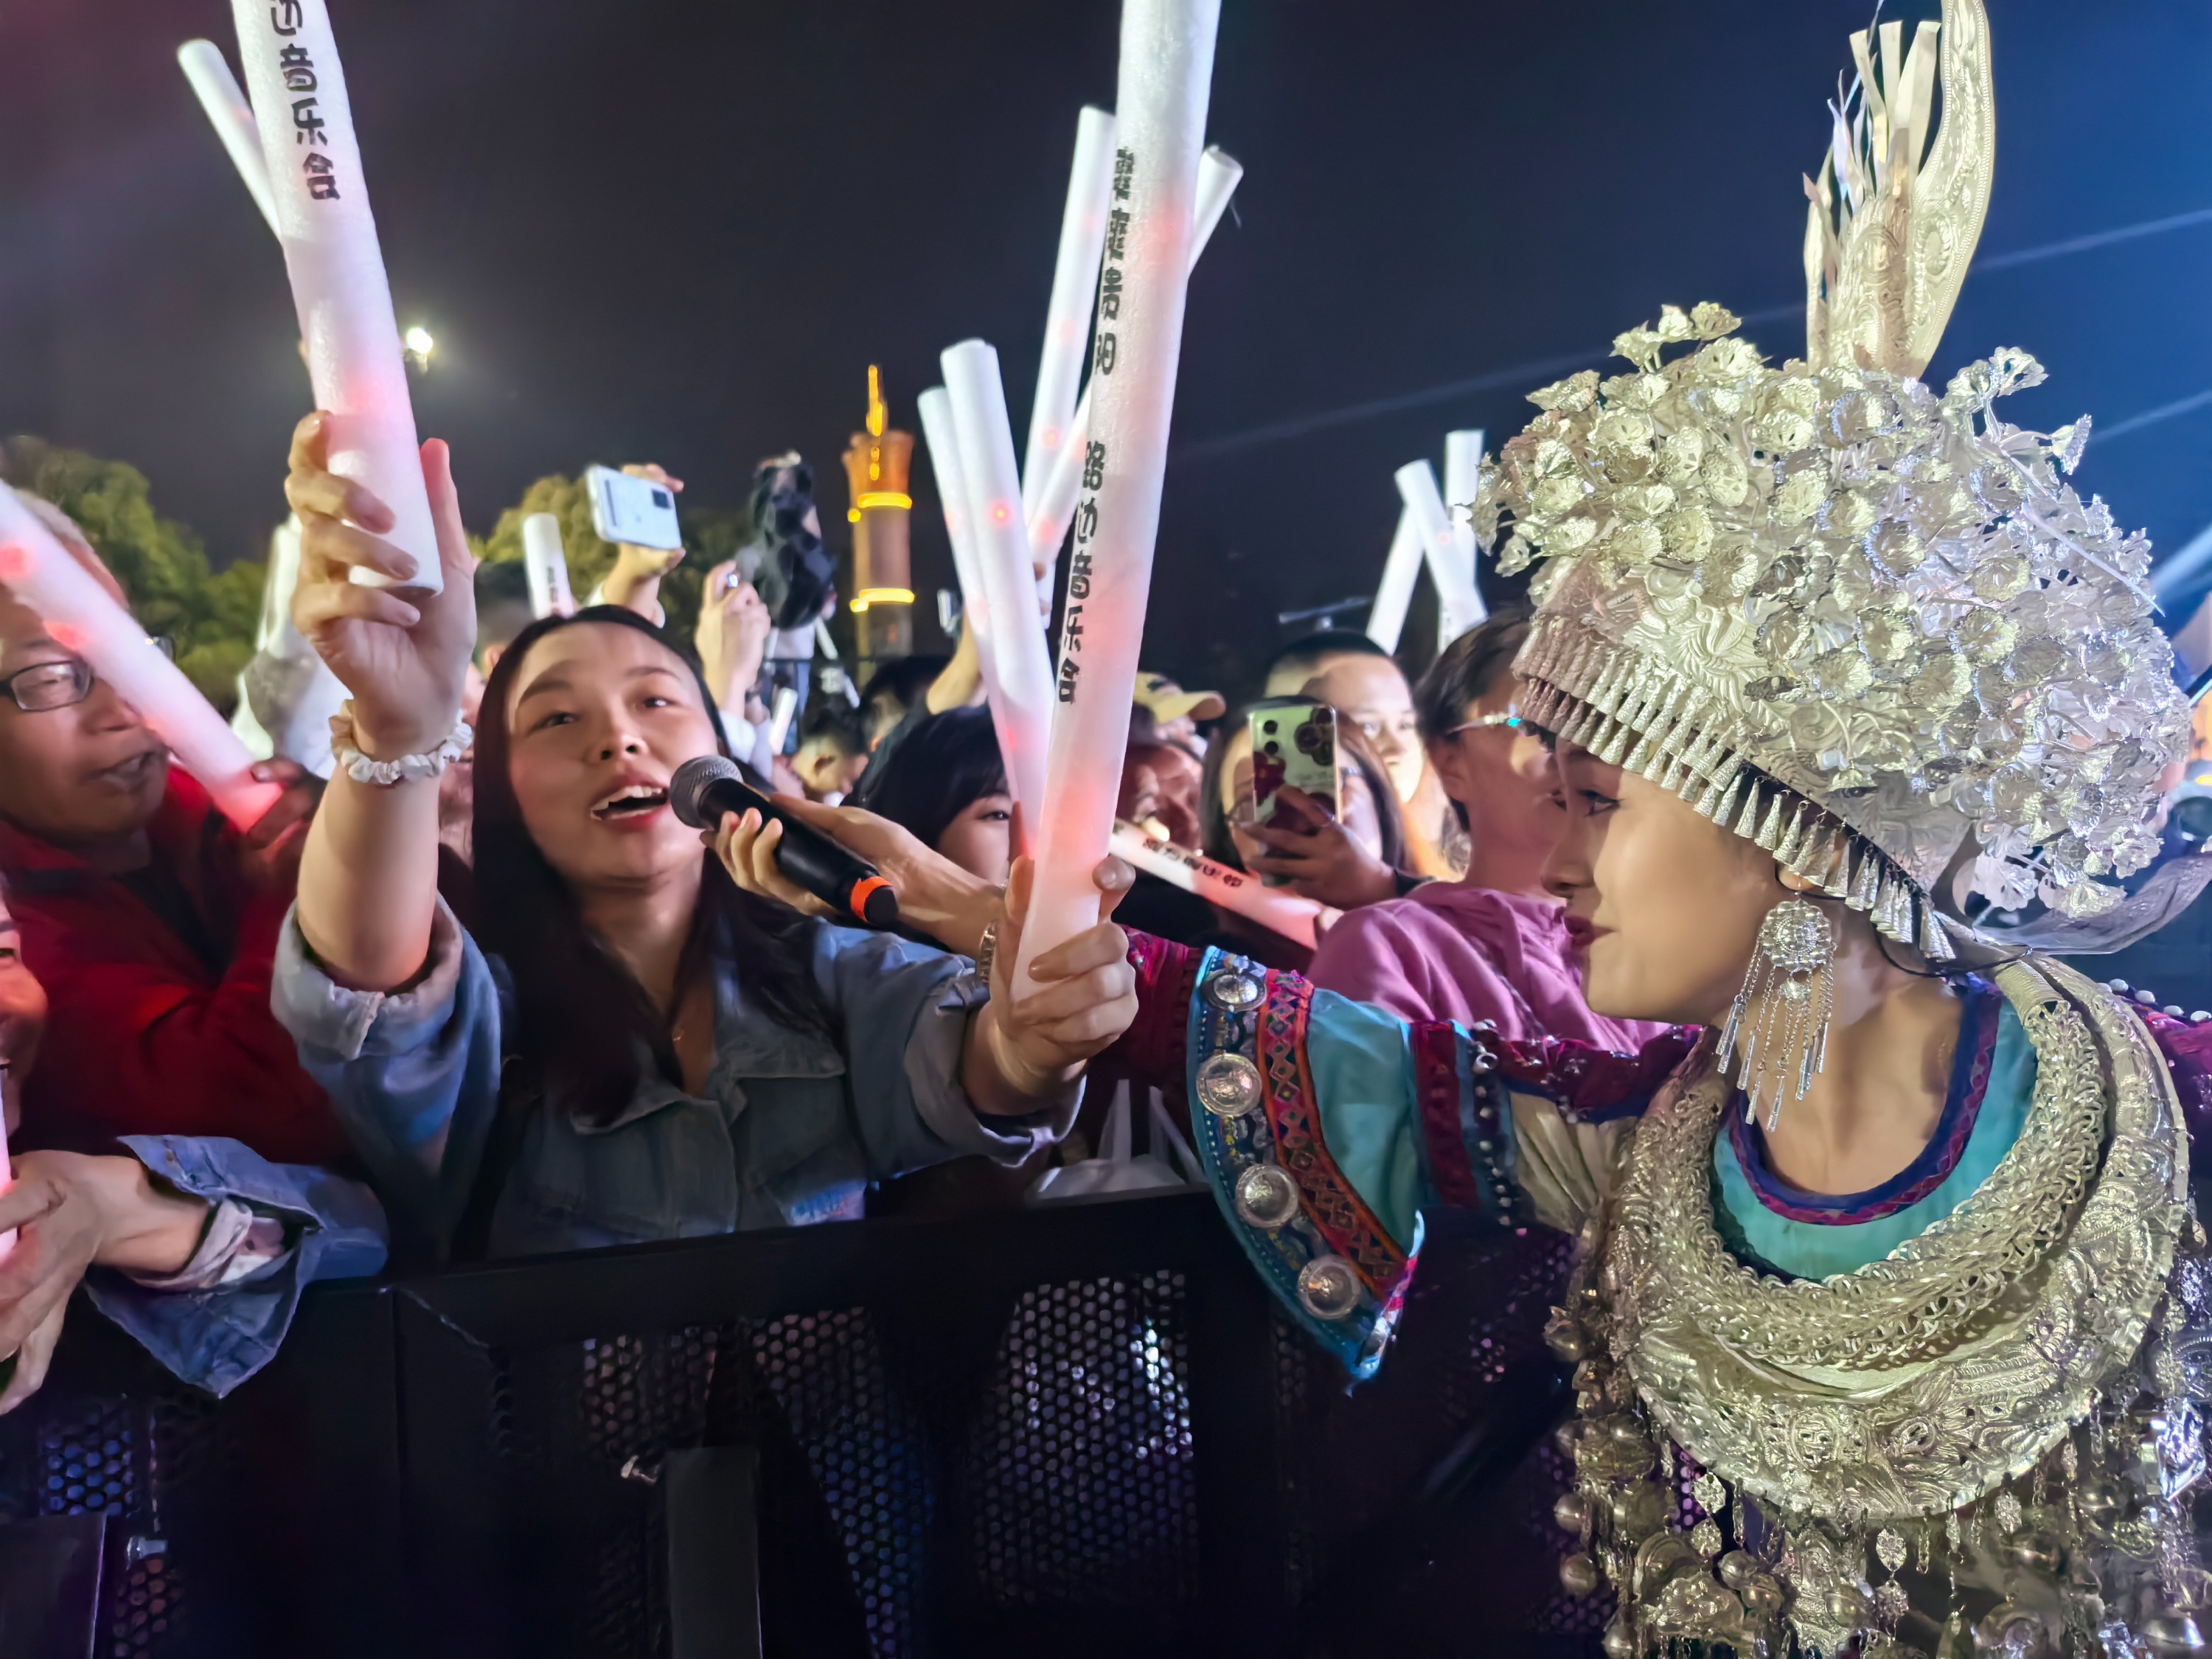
x=986, y=950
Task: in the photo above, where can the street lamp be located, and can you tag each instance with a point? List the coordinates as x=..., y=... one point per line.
x=420, y=345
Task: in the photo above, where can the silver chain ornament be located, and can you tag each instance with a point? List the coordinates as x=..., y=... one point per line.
x=1781, y=1015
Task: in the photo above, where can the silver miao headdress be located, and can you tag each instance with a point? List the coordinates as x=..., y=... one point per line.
x=1852, y=620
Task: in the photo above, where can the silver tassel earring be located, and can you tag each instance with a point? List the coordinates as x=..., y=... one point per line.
x=1782, y=1012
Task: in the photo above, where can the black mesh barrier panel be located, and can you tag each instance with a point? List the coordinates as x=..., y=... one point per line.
x=1080, y=1461
x=127, y=1454
x=1085, y=1430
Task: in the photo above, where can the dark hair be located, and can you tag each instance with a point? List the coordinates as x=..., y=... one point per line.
x=1214, y=838
x=944, y=765
x=902, y=679
x=830, y=716
x=583, y=1016
x=1468, y=670
x=1389, y=814
x=502, y=601
x=1303, y=657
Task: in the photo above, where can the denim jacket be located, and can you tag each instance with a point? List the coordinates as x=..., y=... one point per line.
x=790, y=1130
x=215, y=1338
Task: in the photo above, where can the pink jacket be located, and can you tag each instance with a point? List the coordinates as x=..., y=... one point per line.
x=1468, y=954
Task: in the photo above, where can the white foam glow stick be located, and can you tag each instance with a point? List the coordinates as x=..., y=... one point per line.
x=305, y=718
x=545, y=566
x=205, y=67
x=940, y=434
x=779, y=717
x=1166, y=75
x=1067, y=314
x=81, y=618
x=1463, y=473
x=1053, y=509
x=1275, y=909
x=1020, y=664
x=1395, y=592
x=337, y=265
x=1455, y=595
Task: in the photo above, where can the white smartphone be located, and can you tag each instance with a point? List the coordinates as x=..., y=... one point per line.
x=634, y=510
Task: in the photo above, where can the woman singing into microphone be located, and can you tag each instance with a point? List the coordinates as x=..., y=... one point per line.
x=625, y=1047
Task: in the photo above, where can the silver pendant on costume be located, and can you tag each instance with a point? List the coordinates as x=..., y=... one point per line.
x=1781, y=1015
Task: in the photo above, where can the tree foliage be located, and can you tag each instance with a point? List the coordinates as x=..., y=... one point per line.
x=211, y=617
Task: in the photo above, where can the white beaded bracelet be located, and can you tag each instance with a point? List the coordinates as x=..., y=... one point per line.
x=407, y=767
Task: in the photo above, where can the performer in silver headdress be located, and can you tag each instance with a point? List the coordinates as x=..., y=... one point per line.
x=1893, y=1312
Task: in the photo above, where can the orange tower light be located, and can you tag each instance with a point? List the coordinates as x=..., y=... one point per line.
x=876, y=464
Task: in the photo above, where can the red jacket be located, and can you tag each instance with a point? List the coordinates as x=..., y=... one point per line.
x=142, y=1036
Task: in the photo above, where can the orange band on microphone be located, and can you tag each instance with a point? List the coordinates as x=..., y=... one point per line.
x=863, y=890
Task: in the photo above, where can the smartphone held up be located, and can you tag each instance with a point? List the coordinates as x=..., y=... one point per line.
x=637, y=511
x=1294, y=746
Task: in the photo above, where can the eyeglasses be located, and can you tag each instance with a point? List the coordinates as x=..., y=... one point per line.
x=1510, y=717
x=45, y=686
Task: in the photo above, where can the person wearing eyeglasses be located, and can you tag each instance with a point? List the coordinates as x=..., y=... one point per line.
x=152, y=923
x=1492, y=945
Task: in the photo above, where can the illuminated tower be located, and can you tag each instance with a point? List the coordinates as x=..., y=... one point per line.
x=876, y=465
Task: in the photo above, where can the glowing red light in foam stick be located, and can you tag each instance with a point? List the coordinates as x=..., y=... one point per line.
x=337, y=265
x=1020, y=666
x=81, y=617
x=1167, y=66
x=1278, y=911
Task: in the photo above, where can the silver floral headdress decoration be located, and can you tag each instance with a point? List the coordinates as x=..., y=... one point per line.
x=1846, y=617
x=1856, y=622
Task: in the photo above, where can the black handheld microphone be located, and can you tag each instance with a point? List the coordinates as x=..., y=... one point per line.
x=705, y=788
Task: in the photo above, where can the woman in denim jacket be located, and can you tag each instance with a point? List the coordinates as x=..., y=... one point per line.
x=622, y=1045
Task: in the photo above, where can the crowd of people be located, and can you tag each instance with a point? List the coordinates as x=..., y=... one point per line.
x=1710, y=902
x=506, y=1003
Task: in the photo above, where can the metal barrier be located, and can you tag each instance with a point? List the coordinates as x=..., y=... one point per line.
x=1079, y=1429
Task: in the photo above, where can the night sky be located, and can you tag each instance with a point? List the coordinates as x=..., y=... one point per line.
x=671, y=230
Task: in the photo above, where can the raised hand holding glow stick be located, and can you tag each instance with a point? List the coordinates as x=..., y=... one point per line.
x=1052, y=508
x=40, y=573
x=545, y=566
x=1273, y=908
x=941, y=434
x=1462, y=474
x=1461, y=605
x=217, y=90
x=1018, y=665
x=337, y=265
x=1396, y=592
x=1167, y=66
x=1067, y=314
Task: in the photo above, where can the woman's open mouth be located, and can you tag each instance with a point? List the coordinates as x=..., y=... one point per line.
x=634, y=801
